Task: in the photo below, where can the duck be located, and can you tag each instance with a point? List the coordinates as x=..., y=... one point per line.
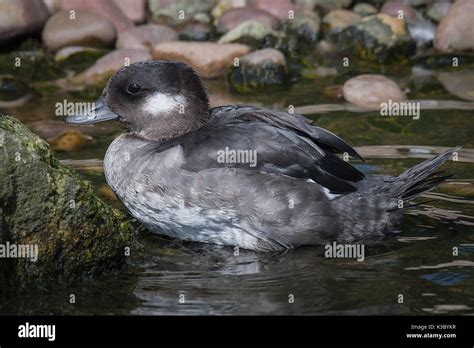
x=239, y=175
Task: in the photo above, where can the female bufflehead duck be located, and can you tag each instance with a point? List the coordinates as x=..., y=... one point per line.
x=239, y=175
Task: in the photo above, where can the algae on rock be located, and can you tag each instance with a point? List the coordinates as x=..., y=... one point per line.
x=44, y=203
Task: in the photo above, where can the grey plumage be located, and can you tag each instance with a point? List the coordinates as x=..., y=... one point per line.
x=166, y=169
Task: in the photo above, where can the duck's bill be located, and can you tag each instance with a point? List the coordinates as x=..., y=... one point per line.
x=99, y=112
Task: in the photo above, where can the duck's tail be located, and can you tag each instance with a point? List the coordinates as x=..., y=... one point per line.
x=422, y=177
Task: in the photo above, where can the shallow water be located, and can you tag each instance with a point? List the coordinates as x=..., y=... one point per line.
x=415, y=261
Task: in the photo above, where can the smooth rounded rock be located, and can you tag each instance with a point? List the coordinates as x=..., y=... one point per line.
x=456, y=29
x=83, y=29
x=146, y=36
x=21, y=17
x=110, y=64
x=232, y=18
x=370, y=90
x=208, y=58
x=281, y=9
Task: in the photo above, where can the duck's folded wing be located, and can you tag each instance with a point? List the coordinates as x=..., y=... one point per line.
x=284, y=120
x=264, y=147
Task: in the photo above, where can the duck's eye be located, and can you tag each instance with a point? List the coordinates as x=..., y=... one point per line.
x=134, y=88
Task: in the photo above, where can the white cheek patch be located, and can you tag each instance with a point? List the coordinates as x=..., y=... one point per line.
x=159, y=103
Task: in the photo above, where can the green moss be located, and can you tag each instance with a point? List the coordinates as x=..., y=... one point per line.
x=45, y=203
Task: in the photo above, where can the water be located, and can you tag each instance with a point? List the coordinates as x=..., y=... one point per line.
x=415, y=261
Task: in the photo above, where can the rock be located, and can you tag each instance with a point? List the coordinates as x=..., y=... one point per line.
x=110, y=64
x=398, y=9
x=257, y=71
x=337, y=20
x=333, y=92
x=225, y=5
x=456, y=29
x=438, y=10
x=178, y=12
x=195, y=31
x=146, y=36
x=280, y=9
x=106, y=9
x=208, y=58
x=47, y=206
x=331, y=5
x=69, y=141
x=364, y=9
x=369, y=90
x=134, y=10
x=305, y=26
x=69, y=51
x=82, y=29
x=21, y=17
x=459, y=83
x=52, y=5
x=422, y=31
x=232, y=18
x=250, y=32
x=379, y=38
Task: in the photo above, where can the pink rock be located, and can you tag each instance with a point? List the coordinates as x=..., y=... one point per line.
x=84, y=29
x=20, y=17
x=210, y=59
x=109, y=64
x=133, y=9
x=456, y=29
x=393, y=7
x=279, y=8
x=232, y=18
x=105, y=8
x=370, y=90
x=146, y=36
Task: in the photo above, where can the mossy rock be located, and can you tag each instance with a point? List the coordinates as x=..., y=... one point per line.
x=263, y=70
x=379, y=38
x=46, y=204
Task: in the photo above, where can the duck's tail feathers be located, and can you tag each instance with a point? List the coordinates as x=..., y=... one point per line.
x=421, y=178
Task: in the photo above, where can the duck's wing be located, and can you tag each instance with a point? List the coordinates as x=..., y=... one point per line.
x=269, y=147
x=284, y=120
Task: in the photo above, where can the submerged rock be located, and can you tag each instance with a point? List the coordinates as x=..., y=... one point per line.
x=21, y=17
x=456, y=30
x=260, y=70
x=459, y=83
x=45, y=205
x=146, y=36
x=69, y=141
x=302, y=32
x=84, y=29
x=378, y=38
x=369, y=90
x=210, y=59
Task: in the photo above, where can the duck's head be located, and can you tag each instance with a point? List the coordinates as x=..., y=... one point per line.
x=155, y=100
